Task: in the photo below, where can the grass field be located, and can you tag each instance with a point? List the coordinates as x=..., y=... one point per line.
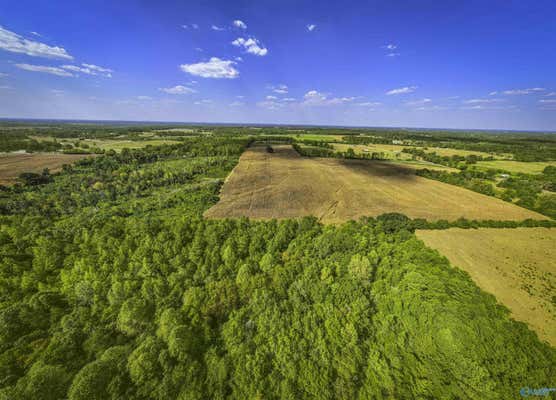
x=442, y=151
x=516, y=265
x=13, y=164
x=516, y=166
x=118, y=145
x=394, y=151
x=111, y=144
x=324, y=138
x=283, y=185
x=390, y=151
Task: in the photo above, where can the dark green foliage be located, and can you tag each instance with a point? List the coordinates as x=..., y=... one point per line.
x=113, y=286
x=525, y=190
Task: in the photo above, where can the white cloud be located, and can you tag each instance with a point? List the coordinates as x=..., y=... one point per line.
x=393, y=54
x=89, y=69
x=524, y=91
x=271, y=97
x=390, y=46
x=431, y=108
x=489, y=107
x=280, y=89
x=5, y=87
x=270, y=104
x=551, y=101
x=237, y=104
x=35, y=33
x=3, y=75
x=369, y=104
x=15, y=43
x=482, y=101
x=288, y=99
x=311, y=27
x=195, y=26
x=402, y=90
x=251, y=45
x=240, y=97
x=418, y=102
x=214, y=68
x=238, y=59
x=203, y=102
x=217, y=28
x=57, y=92
x=493, y=93
x=550, y=94
x=240, y=24
x=45, y=69
x=178, y=89
x=199, y=49
x=315, y=98
x=144, y=98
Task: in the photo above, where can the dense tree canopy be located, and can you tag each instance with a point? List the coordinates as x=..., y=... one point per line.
x=113, y=286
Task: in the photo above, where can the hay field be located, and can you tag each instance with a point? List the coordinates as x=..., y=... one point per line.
x=394, y=151
x=284, y=185
x=517, y=166
x=111, y=144
x=515, y=265
x=14, y=164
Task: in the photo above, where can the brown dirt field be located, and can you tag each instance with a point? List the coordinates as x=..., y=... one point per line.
x=515, y=265
x=13, y=164
x=284, y=185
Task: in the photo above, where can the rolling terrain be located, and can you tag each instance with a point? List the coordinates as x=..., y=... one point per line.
x=515, y=265
x=284, y=185
x=14, y=164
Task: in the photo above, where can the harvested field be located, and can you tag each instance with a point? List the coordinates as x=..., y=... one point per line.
x=394, y=151
x=284, y=185
x=14, y=164
x=515, y=265
x=517, y=166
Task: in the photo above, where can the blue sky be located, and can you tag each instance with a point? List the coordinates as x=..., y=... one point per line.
x=451, y=64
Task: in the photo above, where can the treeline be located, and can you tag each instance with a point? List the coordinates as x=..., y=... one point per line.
x=135, y=308
x=522, y=147
x=16, y=141
x=113, y=286
x=526, y=190
x=325, y=151
x=454, y=161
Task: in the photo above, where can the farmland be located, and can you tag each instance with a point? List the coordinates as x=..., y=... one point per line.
x=159, y=272
x=14, y=164
x=109, y=144
x=515, y=265
x=517, y=166
x=284, y=185
x=395, y=151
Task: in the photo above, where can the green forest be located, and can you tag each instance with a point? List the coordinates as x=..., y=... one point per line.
x=114, y=286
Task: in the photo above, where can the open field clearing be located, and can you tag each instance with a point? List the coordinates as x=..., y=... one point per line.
x=394, y=151
x=443, y=151
x=324, y=138
x=390, y=151
x=119, y=145
x=13, y=164
x=517, y=166
x=516, y=265
x=284, y=185
x=112, y=144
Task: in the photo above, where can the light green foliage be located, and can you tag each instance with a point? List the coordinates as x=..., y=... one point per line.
x=123, y=291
